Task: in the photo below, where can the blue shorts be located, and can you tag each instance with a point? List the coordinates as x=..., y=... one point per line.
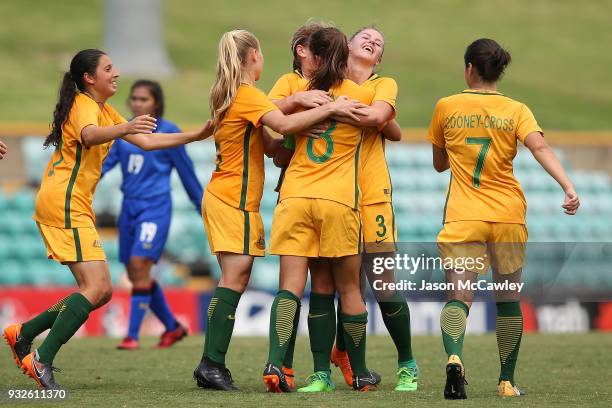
x=143, y=227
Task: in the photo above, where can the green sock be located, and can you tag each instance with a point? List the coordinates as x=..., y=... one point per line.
x=42, y=322
x=340, y=345
x=282, y=319
x=396, y=317
x=509, y=331
x=321, y=329
x=452, y=321
x=73, y=313
x=221, y=318
x=288, y=360
x=354, y=330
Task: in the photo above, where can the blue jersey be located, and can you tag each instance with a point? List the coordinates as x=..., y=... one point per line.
x=146, y=174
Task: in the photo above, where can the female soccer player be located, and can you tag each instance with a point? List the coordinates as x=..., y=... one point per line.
x=3, y=149
x=83, y=130
x=230, y=207
x=475, y=133
x=146, y=211
x=377, y=216
x=317, y=216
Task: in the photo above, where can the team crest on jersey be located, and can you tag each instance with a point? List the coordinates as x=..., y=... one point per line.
x=261, y=243
x=97, y=243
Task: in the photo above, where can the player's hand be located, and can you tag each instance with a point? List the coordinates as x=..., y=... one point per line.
x=206, y=131
x=345, y=107
x=142, y=124
x=312, y=99
x=3, y=149
x=571, y=203
x=316, y=130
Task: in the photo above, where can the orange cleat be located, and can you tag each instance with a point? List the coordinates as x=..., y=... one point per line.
x=41, y=373
x=289, y=376
x=20, y=347
x=341, y=360
x=274, y=379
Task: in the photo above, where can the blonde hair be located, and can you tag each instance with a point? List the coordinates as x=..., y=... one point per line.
x=233, y=48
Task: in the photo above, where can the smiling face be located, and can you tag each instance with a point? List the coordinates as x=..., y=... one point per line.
x=104, y=82
x=367, y=45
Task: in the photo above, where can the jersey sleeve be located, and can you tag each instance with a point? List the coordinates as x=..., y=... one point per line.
x=386, y=91
x=84, y=112
x=281, y=89
x=254, y=104
x=435, y=133
x=526, y=124
x=112, y=159
x=186, y=171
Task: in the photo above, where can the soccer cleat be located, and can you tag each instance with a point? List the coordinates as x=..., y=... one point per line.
x=455, y=379
x=128, y=343
x=274, y=379
x=506, y=389
x=290, y=376
x=168, y=338
x=407, y=378
x=319, y=382
x=213, y=376
x=364, y=383
x=341, y=360
x=18, y=344
x=41, y=373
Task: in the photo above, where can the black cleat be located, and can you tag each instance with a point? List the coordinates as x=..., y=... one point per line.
x=41, y=373
x=20, y=347
x=209, y=374
x=275, y=380
x=455, y=379
x=363, y=383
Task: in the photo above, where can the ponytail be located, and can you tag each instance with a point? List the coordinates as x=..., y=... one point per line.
x=67, y=93
x=85, y=61
x=233, y=48
x=331, y=47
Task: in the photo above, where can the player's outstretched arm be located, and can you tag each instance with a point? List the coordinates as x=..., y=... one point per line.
x=93, y=135
x=542, y=152
x=158, y=141
x=392, y=131
x=375, y=115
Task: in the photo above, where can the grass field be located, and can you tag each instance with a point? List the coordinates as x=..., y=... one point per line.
x=555, y=370
x=559, y=47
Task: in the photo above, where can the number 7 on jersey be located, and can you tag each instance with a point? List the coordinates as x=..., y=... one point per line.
x=485, y=143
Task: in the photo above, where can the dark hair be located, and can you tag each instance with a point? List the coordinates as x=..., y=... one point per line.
x=85, y=61
x=331, y=46
x=370, y=27
x=156, y=91
x=488, y=57
x=302, y=37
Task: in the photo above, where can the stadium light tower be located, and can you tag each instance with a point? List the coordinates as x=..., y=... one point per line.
x=134, y=37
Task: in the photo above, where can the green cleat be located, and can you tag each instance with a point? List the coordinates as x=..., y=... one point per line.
x=319, y=382
x=407, y=378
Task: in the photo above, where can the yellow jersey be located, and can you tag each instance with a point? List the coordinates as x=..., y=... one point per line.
x=374, y=178
x=287, y=85
x=238, y=178
x=328, y=167
x=479, y=131
x=66, y=192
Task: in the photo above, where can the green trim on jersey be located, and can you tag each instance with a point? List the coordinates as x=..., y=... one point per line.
x=245, y=166
x=60, y=160
x=73, y=176
x=450, y=182
x=77, y=245
x=357, y=171
x=247, y=233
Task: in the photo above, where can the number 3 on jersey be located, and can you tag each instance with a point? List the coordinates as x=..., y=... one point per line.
x=485, y=143
x=329, y=145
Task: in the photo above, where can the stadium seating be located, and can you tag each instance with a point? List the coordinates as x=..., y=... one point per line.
x=419, y=195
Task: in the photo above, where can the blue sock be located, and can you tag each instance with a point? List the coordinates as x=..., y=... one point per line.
x=160, y=307
x=141, y=298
